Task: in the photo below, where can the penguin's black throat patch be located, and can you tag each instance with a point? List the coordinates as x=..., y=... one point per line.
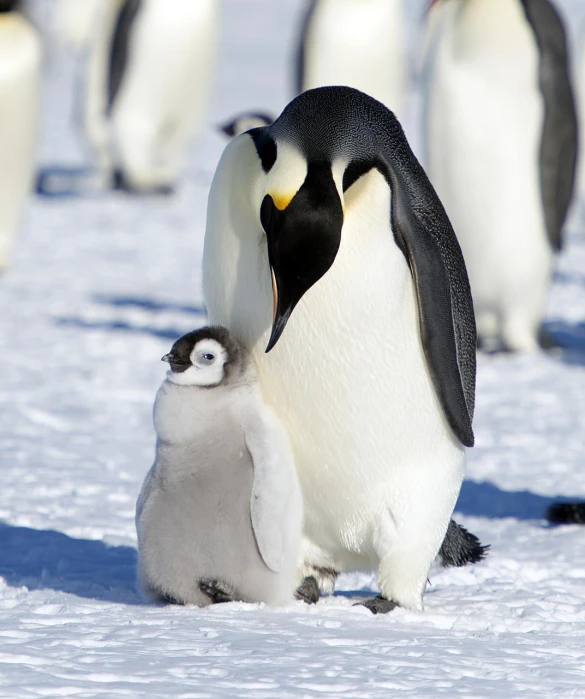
x=303, y=240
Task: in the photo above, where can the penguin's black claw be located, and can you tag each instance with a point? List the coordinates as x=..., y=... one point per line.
x=169, y=599
x=546, y=341
x=566, y=513
x=308, y=590
x=216, y=591
x=378, y=605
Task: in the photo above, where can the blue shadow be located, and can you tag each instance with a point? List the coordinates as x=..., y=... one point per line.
x=560, y=277
x=569, y=337
x=65, y=182
x=122, y=326
x=148, y=304
x=47, y=559
x=487, y=500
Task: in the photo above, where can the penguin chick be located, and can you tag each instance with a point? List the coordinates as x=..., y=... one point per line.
x=220, y=511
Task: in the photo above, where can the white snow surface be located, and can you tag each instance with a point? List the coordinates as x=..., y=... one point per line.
x=99, y=288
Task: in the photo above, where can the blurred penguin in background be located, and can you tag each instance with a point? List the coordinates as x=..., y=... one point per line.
x=359, y=43
x=20, y=61
x=244, y=122
x=501, y=147
x=75, y=20
x=149, y=73
x=581, y=100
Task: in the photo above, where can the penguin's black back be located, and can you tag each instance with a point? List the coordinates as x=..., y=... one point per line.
x=558, y=149
x=119, y=48
x=301, y=57
x=9, y=5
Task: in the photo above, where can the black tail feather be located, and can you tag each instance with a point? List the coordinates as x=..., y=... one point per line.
x=566, y=513
x=460, y=547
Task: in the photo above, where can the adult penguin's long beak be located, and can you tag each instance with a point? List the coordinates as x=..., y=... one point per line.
x=303, y=235
x=279, y=316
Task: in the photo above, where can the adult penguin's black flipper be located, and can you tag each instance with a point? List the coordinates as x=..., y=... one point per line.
x=447, y=319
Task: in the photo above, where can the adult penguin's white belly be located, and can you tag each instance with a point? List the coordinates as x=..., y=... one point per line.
x=351, y=384
x=484, y=123
x=20, y=59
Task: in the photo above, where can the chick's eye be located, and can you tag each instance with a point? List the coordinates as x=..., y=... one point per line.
x=207, y=358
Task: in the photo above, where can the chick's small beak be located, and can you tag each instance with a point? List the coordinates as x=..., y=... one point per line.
x=167, y=358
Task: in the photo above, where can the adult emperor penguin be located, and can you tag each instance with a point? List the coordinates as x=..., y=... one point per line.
x=219, y=514
x=149, y=74
x=360, y=43
x=328, y=254
x=20, y=86
x=501, y=137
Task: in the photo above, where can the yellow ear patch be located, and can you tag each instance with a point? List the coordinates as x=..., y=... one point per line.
x=11, y=20
x=281, y=201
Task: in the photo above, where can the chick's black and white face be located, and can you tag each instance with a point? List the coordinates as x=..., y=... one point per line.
x=201, y=365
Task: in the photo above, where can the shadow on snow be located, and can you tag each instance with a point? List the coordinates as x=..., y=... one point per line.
x=147, y=304
x=123, y=326
x=488, y=500
x=46, y=559
x=569, y=337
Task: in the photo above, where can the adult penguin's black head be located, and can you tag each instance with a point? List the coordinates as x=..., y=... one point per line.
x=8, y=5
x=311, y=154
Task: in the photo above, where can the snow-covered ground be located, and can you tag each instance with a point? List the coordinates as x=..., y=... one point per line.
x=98, y=290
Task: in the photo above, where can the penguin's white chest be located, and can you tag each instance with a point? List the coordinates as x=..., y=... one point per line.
x=349, y=380
x=20, y=86
x=361, y=44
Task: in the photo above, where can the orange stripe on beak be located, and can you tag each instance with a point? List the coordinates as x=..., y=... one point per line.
x=281, y=201
x=274, y=295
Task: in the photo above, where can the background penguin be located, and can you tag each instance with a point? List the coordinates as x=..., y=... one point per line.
x=244, y=122
x=149, y=74
x=328, y=254
x=501, y=136
x=566, y=513
x=20, y=85
x=360, y=43
x=219, y=514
